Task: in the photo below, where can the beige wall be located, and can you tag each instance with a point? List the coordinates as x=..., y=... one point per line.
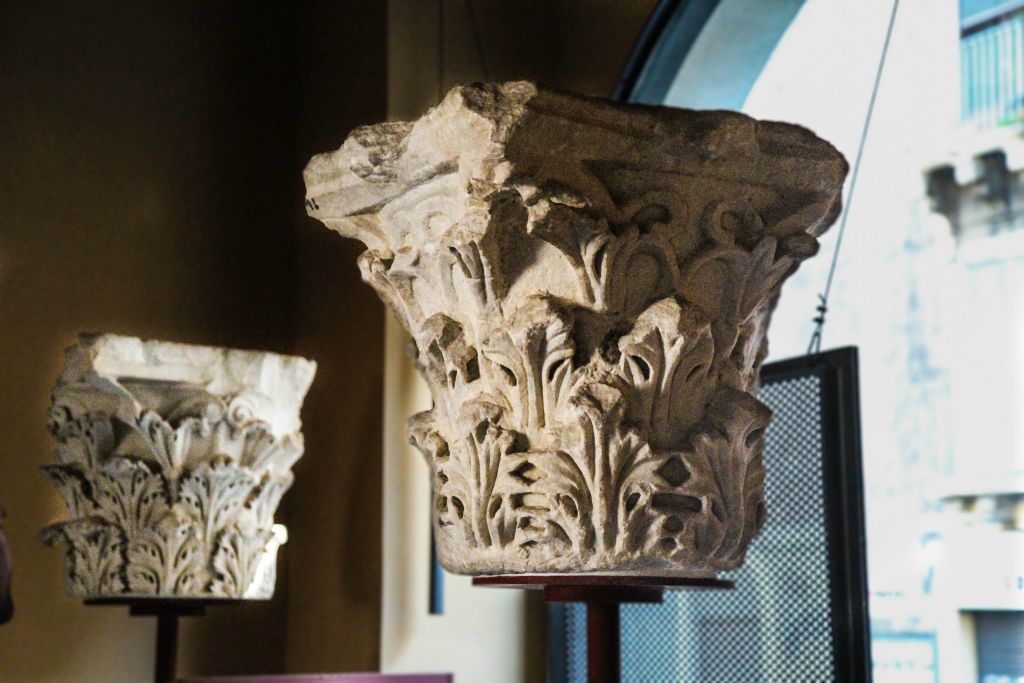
x=150, y=161
x=484, y=635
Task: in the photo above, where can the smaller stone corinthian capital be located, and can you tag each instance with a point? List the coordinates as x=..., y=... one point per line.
x=588, y=287
x=172, y=459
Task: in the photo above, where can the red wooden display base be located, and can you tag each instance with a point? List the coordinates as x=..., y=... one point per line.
x=167, y=613
x=602, y=594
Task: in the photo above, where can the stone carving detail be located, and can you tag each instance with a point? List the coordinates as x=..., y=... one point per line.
x=588, y=287
x=172, y=459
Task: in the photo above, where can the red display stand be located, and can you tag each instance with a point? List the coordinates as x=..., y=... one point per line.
x=602, y=595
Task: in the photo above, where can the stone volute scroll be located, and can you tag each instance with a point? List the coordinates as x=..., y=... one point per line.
x=588, y=288
x=172, y=459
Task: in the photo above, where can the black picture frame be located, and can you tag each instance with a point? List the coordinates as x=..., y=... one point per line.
x=842, y=470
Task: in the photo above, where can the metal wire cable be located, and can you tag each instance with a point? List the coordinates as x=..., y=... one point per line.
x=819, y=321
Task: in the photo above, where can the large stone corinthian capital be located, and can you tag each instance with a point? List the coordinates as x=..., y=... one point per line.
x=588, y=286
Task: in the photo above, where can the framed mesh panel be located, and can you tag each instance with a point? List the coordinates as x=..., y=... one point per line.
x=799, y=609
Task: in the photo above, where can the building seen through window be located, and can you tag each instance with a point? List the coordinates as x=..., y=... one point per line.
x=930, y=287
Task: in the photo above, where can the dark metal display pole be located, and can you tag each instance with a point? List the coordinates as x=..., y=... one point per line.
x=166, y=648
x=604, y=655
x=167, y=613
x=602, y=595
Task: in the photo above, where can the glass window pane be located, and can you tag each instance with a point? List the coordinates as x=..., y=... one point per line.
x=929, y=286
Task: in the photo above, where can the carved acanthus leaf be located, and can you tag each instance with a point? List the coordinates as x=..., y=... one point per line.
x=129, y=495
x=167, y=559
x=667, y=359
x=237, y=562
x=730, y=449
x=83, y=442
x=94, y=558
x=214, y=494
x=530, y=362
x=75, y=488
x=166, y=447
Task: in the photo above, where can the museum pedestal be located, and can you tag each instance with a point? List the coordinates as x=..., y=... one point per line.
x=602, y=594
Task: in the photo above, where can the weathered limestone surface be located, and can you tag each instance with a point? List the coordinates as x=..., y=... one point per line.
x=172, y=459
x=588, y=287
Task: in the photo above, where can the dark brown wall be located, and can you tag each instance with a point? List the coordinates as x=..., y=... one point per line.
x=150, y=184
x=580, y=45
x=335, y=506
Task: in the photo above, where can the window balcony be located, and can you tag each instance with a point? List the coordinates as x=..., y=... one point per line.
x=992, y=63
